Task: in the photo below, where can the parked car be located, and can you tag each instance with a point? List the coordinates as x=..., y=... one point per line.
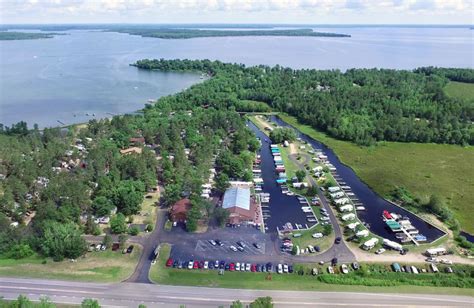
x=222, y=265
x=290, y=268
x=330, y=270
x=232, y=267
x=227, y=266
x=324, y=218
x=211, y=265
x=201, y=264
x=448, y=270
x=317, y=248
x=338, y=240
x=431, y=259
x=285, y=268
x=317, y=235
x=247, y=267
x=380, y=251
x=206, y=265
x=269, y=267
x=446, y=261
x=237, y=266
x=280, y=269
x=213, y=243
x=169, y=262
x=256, y=245
x=196, y=265
x=240, y=248
x=216, y=264
x=190, y=264
x=314, y=271
x=253, y=268
x=334, y=261
x=241, y=244
x=233, y=248
x=130, y=249
x=344, y=269
x=311, y=249
x=355, y=266
x=219, y=243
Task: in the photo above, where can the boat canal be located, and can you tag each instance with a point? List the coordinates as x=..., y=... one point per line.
x=281, y=208
x=363, y=195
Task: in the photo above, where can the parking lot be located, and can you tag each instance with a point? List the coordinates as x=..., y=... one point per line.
x=249, y=248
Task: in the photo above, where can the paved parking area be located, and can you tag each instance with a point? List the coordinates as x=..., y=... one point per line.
x=250, y=249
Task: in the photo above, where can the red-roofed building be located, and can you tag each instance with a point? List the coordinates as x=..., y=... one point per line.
x=179, y=210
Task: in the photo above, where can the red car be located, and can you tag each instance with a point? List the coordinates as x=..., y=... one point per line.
x=169, y=262
x=253, y=268
x=232, y=267
x=196, y=265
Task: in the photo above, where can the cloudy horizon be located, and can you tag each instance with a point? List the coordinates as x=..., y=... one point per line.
x=340, y=12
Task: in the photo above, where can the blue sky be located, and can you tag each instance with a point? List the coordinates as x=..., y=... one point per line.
x=239, y=11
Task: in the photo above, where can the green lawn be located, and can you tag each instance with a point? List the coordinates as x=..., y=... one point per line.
x=423, y=169
x=103, y=266
x=247, y=280
x=460, y=90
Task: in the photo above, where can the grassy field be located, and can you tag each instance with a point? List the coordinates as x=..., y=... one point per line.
x=247, y=280
x=104, y=266
x=423, y=169
x=147, y=213
x=460, y=90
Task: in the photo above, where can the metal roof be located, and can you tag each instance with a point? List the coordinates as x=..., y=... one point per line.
x=237, y=196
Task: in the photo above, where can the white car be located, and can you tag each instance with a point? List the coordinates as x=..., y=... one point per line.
x=280, y=269
x=317, y=235
x=190, y=264
x=446, y=261
x=324, y=218
x=247, y=267
x=233, y=248
x=213, y=243
x=216, y=264
x=285, y=268
x=242, y=266
x=380, y=251
x=206, y=265
x=330, y=270
x=237, y=266
x=344, y=269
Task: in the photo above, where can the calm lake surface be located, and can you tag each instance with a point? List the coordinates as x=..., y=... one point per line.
x=86, y=72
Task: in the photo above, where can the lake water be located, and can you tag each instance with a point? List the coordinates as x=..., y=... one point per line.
x=87, y=72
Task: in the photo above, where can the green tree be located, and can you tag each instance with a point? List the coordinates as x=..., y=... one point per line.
x=61, y=241
x=102, y=206
x=134, y=231
x=262, y=302
x=237, y=304
x=118, y=224
x=222, y=215
x=107, y=241
x=128, y=196
x=300, y=174
x=122, y=238
x=327, y=229
x=20, y=251
x=90, y=303
x=222, y=182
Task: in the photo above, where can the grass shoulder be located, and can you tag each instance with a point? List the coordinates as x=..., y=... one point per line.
x=100, y=266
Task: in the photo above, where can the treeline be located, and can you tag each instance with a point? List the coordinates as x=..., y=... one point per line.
x=11, y=35
x=454, y=74
x=360, y=105
x=170, y=33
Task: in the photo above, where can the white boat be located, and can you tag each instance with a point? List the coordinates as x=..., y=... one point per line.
x=360, y=208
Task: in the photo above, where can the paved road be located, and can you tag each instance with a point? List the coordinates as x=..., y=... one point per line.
x=133, y=294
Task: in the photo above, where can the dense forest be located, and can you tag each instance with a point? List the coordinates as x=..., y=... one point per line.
x=360, y=105
x=56, y=183
x=170, y=33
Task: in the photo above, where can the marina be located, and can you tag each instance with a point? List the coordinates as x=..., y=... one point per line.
x=362, y=196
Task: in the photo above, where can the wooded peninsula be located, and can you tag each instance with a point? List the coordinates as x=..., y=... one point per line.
x=165, y=33
x=10, y=36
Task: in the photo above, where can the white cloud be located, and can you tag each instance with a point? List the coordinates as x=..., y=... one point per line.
x=51, y=11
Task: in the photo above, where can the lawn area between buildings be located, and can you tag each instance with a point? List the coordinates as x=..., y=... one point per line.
x=102, y=266
x=247, y=280
x=423, y=169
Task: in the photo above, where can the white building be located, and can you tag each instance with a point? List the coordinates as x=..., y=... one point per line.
x=370, y=243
